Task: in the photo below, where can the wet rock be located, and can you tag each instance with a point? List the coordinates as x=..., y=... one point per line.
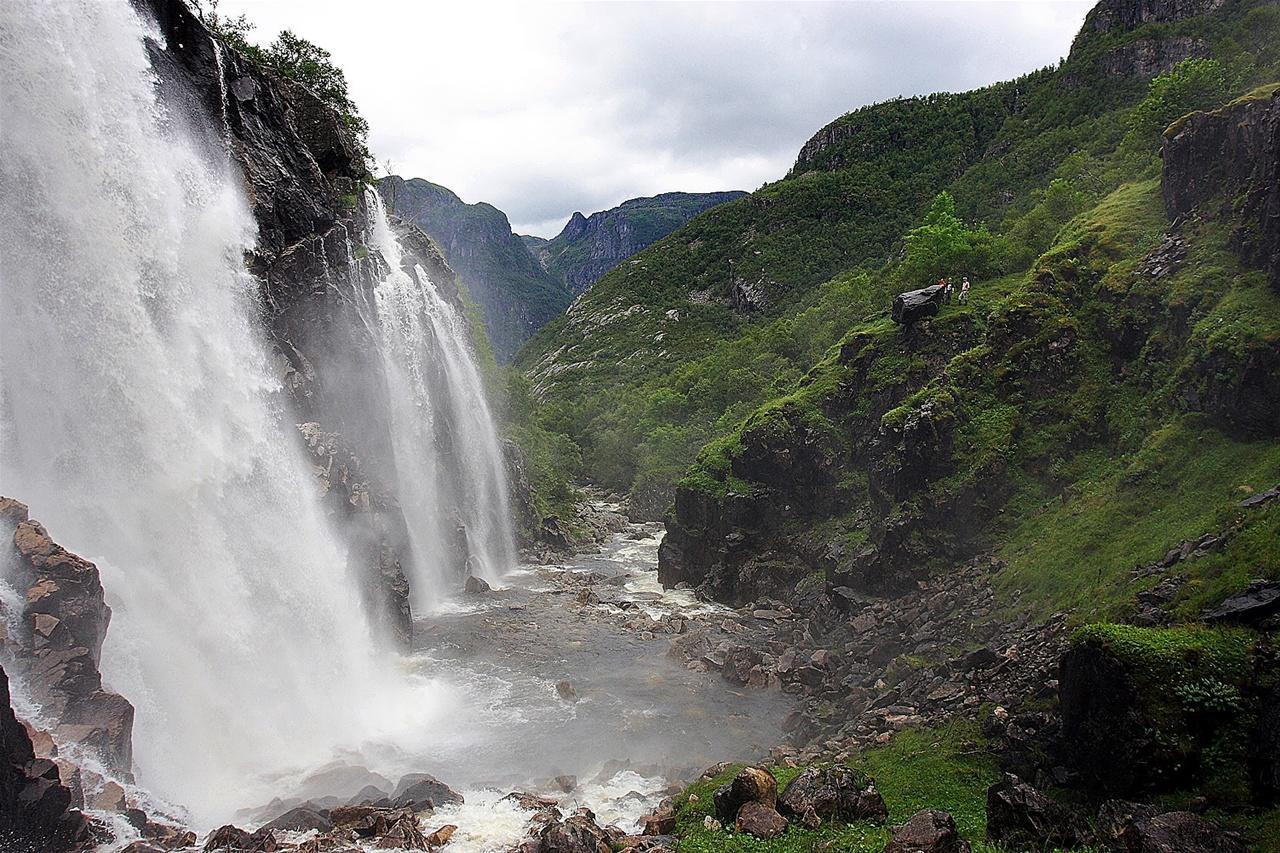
x=661, y=821
x=565, y=783
x=833, y=793
x=751, y=785
x=1019, y=815
x=475, y=585
x=576, y=834
x=66, y=617
x=762, y=821
x=566, y=691
x=1179, y=832
x=228, y=837
x=927, y=831
x=422, y=790
x=301, y=819
x=35, y=807
x=402, y=833
x=441, y=836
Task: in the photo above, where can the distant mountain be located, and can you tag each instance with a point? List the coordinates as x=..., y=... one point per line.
x=590, y=246
x=516, y=295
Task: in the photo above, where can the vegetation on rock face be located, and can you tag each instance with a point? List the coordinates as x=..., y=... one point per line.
x=295, y=58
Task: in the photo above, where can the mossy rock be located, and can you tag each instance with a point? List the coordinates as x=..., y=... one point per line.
x=1149, y=710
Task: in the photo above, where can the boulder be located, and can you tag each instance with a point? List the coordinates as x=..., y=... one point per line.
x=228, y=837
x=566, y=691
x=576, y=834
x=1179, y=832
x=420, y=791
x=1115, y=816
x=441, y=836
x=301, y=819
x=833, y=793
x=927, y=831
x=402, y=833
x=475, y=585
x=648, y=844
x=1019, y=815
x=760, y=820
x=752, y=784
x=915, y=305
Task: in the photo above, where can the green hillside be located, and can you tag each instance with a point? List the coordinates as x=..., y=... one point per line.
x=677, y=347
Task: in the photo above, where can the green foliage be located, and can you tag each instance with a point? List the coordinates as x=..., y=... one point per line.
x=1193, y=84
x=943, y=247
x=296, y=58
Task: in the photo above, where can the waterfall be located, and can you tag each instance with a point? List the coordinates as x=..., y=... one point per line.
x=141, y=420
x=451, y=480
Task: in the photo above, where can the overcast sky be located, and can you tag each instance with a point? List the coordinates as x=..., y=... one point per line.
x=544, y=109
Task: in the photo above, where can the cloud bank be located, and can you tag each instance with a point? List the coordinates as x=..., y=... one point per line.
x=544, y=109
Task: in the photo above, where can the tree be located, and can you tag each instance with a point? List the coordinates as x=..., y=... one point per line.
x=1193, y=84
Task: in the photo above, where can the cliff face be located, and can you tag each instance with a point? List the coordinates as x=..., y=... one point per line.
x=515, y=294
x=307, y=183
x=590, y=246
x=1225, y=164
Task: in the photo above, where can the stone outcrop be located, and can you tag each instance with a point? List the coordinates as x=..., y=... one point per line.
x=36, y=813
x=58, y=644
x=1227, y=163
x=309, y=189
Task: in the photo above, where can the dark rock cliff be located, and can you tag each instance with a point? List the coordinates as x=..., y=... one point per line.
x=590, y=246
x=308, y=186
x=1227, y=163
x=515, y=294
x=36, y=815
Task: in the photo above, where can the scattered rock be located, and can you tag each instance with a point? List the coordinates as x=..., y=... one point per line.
x=762, y=821
x=576, y=834
x=928, y=831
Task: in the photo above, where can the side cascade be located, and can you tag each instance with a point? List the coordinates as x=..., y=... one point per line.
x=448, y=458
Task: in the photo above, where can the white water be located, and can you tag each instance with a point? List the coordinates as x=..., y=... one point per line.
x=141, y=422
x=446, y=448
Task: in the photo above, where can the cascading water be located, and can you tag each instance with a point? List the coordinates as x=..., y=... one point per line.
x=446, y=448
x=141, y=421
